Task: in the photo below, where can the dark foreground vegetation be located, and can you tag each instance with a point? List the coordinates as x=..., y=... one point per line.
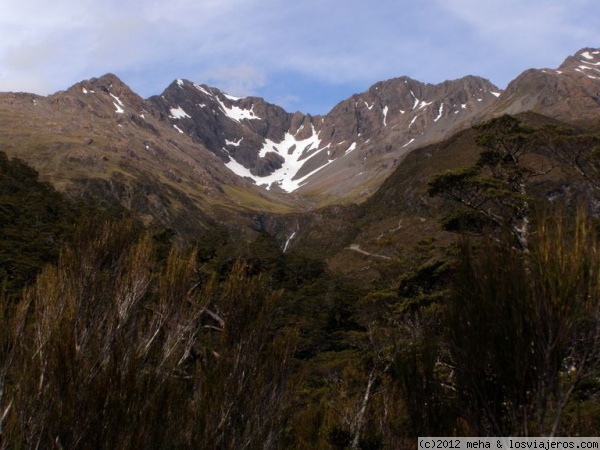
x=112, y=336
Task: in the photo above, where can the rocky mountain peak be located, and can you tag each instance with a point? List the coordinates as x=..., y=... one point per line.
x=586, y=61
x=231, y=127
x=106, y=84
x=280, y=150
x=570, y=93
x=344, y=155
x=106, y=96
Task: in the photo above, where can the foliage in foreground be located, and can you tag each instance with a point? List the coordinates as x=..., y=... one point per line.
x=109, y=350
x=35, y=221
x=524, y=330
x=126, y=342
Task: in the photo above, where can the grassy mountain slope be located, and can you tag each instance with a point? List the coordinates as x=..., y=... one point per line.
x=99, y=139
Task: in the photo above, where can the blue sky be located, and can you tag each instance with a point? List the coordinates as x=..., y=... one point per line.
x=304, y=55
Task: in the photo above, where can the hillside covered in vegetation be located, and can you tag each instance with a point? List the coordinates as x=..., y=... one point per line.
x=118, y=333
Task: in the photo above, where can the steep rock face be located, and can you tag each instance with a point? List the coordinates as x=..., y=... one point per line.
x=100, y=138
x=342, y=155
x=570, y=93
x=109, y=125
x=346, y=154
x=196, y=148
x=224, y=124
x=411, y=106
x=370, y=133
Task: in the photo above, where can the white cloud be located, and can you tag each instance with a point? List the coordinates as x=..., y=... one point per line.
x=532, y=29
x=239, y=80
x=287, y=102
x=332, y=40
x=502, y=38
x=241, y=45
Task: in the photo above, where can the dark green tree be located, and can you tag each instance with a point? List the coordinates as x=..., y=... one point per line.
x=496, y=187
x=35, y=221
x=578, y=151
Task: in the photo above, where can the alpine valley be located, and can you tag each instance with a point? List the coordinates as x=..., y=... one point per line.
x=353, y=220
x=194, y=154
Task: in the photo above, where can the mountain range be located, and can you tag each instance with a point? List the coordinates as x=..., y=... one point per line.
x=194, y=156
x=420, y=261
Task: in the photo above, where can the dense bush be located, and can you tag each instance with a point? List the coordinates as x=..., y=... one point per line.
x=110, y=350
x=523, y=328
x=113, y=337
x=35, y=221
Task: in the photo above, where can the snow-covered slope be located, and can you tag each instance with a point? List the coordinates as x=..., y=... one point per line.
x=345, y=153
x=342, y=156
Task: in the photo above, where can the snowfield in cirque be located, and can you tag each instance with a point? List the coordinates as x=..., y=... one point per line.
x=295, y=153
x=299, y=158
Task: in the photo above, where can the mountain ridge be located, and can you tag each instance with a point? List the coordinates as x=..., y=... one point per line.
x=570, y=92
x=286, y=151
x=194, y=146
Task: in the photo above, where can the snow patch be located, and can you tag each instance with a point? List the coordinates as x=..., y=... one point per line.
x=179, y=113
x=424, y=104
x=587, y=55
x=440, y=112
x=408, y=143
x=180, y=83
x=294, y=152
x=201, y=89
x=351, y=148
x=119, y=107
x=236, y=113
x=178, y=129
x=412, y=121
x=84, y=90
x=496, y=94
x=385, y=112
x=234, y=143
x=239, y=170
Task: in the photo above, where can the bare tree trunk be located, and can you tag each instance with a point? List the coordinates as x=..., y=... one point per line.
x=359, y=421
